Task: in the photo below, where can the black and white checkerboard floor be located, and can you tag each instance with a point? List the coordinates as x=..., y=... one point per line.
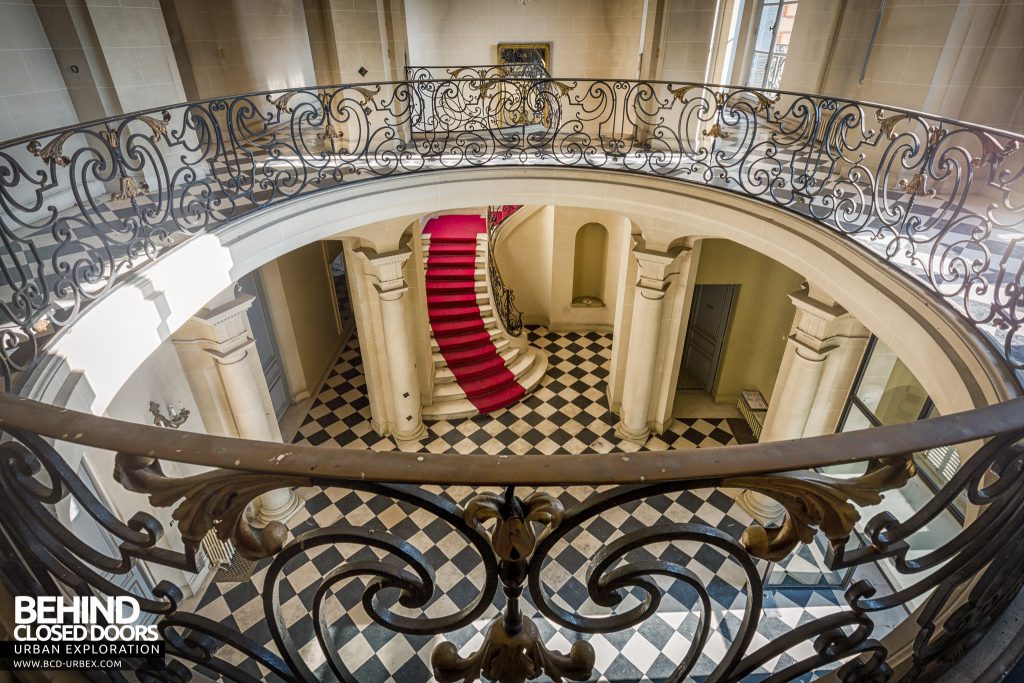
x=567, y=411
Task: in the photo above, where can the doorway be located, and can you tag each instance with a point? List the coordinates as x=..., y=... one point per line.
x=266, y=345
x=705, y=336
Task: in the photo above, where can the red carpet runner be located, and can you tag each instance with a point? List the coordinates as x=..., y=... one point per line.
x=455, y=318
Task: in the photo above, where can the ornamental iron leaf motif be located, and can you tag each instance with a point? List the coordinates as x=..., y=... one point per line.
x=887, y=124
x=513, y=650
x=815, y=500
x=157, y=126
x=993, y=153
x=513, y=538
x=513, y=658
x=53, y=151
x=282, y=102
x=130, y=189
x=218, y=499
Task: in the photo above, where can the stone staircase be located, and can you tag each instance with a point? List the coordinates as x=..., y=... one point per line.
x=478, y=367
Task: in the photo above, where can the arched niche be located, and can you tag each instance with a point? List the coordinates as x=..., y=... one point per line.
x=590, y=259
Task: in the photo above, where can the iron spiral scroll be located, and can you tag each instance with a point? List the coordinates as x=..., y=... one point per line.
x=84, y=207
x=511, y=531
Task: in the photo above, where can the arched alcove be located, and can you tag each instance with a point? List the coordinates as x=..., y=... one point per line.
x=589, y=261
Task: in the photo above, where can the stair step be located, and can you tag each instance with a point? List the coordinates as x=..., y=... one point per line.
x=456, y=298
x=455, y=228
x=471, y=355
x=453, y=407
x=457, y=312
x=451, y=286
x=456, y=274
x=499, y=398
x=451, y=260
x=459, y=326
x=459, y=341
x=445, y=248
x=444, y=376
x=452, y=390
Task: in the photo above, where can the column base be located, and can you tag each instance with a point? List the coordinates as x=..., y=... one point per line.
x=263, y=515
x=638, y=436
x=414, y=435
x=762, y=508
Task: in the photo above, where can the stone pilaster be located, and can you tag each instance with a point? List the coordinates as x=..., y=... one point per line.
x=219, y=354
x=655, y=271
x=817, y=372
x=388, y=274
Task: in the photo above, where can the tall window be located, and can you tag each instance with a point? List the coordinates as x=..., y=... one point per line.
x=773, y=30
x=886, y=393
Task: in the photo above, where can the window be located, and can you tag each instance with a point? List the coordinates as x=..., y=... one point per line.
x=772, y=33
x=887, y=393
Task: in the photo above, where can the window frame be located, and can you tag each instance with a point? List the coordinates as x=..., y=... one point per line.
x=853, y=401
x=752, y=51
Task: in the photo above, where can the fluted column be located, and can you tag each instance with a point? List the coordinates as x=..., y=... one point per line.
x=818, y=366
x=388, y=272
x=654, y=275
x=219, y=353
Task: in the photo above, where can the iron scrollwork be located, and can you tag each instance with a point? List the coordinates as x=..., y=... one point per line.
x=83, y=207
x=966, y=581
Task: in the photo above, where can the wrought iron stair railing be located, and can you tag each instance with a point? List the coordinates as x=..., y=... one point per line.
x=504, y=297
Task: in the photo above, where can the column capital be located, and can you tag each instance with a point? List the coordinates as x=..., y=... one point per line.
x=232, y=352
x=387, y=271
x=806, y=303
x=220, y=326
x=656, y=268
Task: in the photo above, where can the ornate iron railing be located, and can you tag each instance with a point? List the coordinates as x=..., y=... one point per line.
x=504, y=297
x=938, y=200
x=510, y=532
x=529, y=70
x=81, y=207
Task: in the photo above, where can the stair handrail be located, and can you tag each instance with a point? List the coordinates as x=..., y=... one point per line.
x=963, y=583
x=504, y=297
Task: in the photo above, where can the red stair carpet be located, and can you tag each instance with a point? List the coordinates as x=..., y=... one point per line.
x=455, y=318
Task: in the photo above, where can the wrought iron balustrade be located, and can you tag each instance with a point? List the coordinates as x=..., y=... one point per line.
x=84, y=207
x=504, y=298
x=511, y=530
x=81, y=207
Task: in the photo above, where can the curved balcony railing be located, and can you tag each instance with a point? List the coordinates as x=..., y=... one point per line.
x=938, y=200
x=80, y=207
x=510, y=532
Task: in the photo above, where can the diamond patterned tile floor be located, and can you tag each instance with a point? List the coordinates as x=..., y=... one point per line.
x=567, y=411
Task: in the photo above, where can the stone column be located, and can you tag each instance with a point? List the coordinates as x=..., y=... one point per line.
x=388, y=273
x=654, y=273
x=226, y=368
x=818, y=366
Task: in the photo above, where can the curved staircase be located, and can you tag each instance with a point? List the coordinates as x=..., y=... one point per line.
x=478, y=367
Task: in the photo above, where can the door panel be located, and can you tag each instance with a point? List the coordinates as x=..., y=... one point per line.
x=266, y=347
x=705, y=333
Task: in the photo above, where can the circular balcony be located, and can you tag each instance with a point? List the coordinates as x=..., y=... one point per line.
x=91, y=214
